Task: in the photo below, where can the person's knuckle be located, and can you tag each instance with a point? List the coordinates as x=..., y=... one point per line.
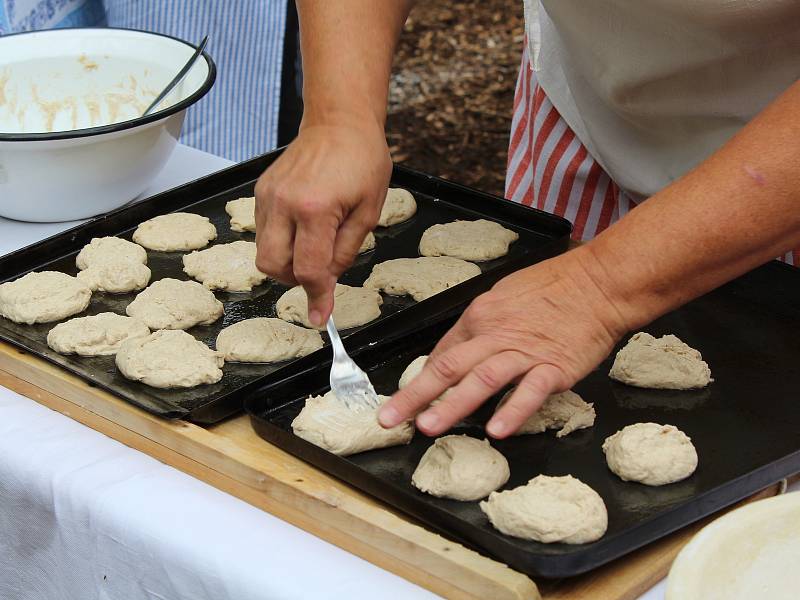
x=488, y=376
x=445, y=366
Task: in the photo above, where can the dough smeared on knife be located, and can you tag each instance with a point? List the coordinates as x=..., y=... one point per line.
x=174, y=304
x=169, y=359
x=565, y=411
x=460, y=467
x=327, y=422
x=399, y=206
x=353, y=306
x=651, y=454
x=420, y=278
x=96, y=335
x=266, y=340
x=548, y=510
x=230, y=267
x=468, y=240
x=43, y=297
x=660, y=363
x=175, y=231
x=243, y=213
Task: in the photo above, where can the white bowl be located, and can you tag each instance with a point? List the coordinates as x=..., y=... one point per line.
x=72, y=144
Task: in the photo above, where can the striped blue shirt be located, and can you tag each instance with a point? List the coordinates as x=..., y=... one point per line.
x=238, y=119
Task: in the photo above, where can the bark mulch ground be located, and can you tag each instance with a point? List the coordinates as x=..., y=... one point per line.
x=452, y=89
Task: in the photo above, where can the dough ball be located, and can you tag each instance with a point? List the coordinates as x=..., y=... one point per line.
x=43, y=297
x=175, y=231
x=368, y=243
x=660, y=363
x=412, y=370
x=173, y=304
x=565, y=411
x=169, y=359
x=650, y=453
x=230, y=267
x=243, y=213
x=325, y=421
x=548, y=510
x=110, y=250
x=460, y=467
x=399, y=206
x=353, y=306
x=116, y=278
x=97, y=335
x=420, y=278
x=469, y=240
x=266, y=340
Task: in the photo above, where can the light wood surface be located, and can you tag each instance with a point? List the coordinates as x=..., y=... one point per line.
x=231, y=457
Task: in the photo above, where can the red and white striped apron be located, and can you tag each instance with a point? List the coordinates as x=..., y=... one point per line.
x=550, y=169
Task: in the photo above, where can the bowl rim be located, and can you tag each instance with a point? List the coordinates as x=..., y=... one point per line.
x=130, y=123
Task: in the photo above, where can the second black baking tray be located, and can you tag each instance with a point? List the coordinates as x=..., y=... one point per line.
x=745, y=426
x=541, y=236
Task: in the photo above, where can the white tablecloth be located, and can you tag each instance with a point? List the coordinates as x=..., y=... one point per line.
x=83, y=517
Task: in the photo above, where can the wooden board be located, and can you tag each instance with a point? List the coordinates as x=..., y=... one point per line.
x=231, y=457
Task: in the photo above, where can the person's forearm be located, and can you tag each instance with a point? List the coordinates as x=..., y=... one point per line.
x=347, y=48
x=735, y=211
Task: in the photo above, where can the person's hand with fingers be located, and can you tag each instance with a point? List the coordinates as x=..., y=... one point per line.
x=317, y=202
x=544, y=327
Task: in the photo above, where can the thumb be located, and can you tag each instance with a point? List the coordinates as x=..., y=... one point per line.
x=320, y=300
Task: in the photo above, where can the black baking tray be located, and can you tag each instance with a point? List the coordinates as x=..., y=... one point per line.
x=745, y=426
x=541, y=236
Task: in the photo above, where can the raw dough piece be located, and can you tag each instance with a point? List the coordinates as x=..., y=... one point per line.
x=660, y=363
x=175, y=231
x=169, y=359
x=97, y=335
x=110, y=250
x=326, y=422
x=266, y=340
x=650, y=453
x=565, y=411
x=460, y=467
x=413, y=369
x=174, y=304
x=353, y=306
x=230, y=267
x=468, y=240
x=368, y=243
x=43, y=297
x=399, y=206
x=116, y=277
x=549, y=509
x=420, y=278
x=243, y=213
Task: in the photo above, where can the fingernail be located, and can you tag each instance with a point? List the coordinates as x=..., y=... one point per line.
x=388, y=416
x=496, y=428
x=428, y=420
x=315, y=317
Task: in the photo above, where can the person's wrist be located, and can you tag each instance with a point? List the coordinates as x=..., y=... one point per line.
x=352, y=113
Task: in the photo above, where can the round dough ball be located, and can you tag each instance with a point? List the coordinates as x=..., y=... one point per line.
x=565, y=411
x=96, y=335
x=548, y=510
x=327, y=422
x=413, y=369
x=469, y=240
x=650, y=453
x=43, y=297
x=399, y=206
x=243, y=213
x=175, y=231
x=230, y=267
x=660, y=363
x=266, y=340
x=368, y=243
x=174, y=304
x=116, y=277
x=169, y=359
x=353, y=306
x=110, y=250
x=460, y=467
x=420, y=278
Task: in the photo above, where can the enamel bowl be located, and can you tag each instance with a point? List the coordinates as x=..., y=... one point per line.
x=72, y=142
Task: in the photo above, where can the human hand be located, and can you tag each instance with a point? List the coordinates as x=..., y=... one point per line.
x=545, y=327
x=317, y=202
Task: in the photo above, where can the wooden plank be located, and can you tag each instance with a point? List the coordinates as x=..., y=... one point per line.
x=231, y=457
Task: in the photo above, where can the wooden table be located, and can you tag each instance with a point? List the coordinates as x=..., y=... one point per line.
x=231, y=457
